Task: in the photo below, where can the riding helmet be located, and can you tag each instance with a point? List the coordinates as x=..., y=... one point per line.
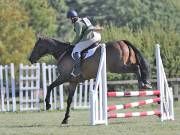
x=72, y=13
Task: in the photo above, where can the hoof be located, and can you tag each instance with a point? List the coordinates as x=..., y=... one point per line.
x=48, y=106
x=147, y=87
x=64, y=122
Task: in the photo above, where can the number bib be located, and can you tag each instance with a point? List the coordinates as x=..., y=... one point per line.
x=87, y=22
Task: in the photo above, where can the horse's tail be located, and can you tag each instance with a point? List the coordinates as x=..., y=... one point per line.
x=143, y=63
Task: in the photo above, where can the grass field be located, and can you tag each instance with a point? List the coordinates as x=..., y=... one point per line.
x=49, y=123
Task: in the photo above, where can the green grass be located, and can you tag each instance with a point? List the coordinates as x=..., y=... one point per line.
x=49, y=123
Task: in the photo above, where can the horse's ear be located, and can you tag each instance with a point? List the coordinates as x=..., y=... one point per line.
x=38, y=35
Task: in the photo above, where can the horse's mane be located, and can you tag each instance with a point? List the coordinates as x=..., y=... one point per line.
x=67, y=48
x=56, y=40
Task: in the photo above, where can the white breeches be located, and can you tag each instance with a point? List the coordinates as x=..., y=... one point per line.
x=79, y=47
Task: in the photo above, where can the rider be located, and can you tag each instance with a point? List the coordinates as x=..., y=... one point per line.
x=85, y=37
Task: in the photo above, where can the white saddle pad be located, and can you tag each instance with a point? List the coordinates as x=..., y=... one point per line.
x=89, y=53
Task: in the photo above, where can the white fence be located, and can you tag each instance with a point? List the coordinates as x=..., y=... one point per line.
x=98, y=93
x=49, y=74
x=7, y=88
x=166, y=95
x=29, y=87
x=33, y=86
x=81, y=95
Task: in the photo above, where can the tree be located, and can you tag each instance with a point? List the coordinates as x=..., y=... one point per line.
x=16, y=38
x=134, y=13
x=42, y=16
x=64, y=29
x=145, y=41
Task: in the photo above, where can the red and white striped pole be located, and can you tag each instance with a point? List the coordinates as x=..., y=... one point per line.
x=133, y=93
x=134, y=114
x=134, y=104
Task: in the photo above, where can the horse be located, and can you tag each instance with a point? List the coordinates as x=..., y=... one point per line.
x=122, y=57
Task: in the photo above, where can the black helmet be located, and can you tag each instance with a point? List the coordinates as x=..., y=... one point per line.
x=72, y=13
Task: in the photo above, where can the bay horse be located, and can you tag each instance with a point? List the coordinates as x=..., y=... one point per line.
x=122, y=57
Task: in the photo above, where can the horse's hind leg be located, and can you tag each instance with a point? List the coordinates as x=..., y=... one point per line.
x=72, y=88
x=138, y=74
x=145, y=74
x=142, y=82
x=132, y=69
x=57, y=82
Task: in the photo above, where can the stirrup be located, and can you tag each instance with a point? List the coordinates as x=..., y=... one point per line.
x=74, y=74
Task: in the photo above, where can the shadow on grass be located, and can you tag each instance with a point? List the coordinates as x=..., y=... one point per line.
x=88, y=125
x=28, y=126
x=62, y=125
x=122, y=122
x=45, y=126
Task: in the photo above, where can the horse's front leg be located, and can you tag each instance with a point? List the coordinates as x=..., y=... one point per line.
x=72, y=88
x=57, y=82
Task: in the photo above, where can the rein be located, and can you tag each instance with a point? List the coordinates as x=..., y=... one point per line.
x=64, y=53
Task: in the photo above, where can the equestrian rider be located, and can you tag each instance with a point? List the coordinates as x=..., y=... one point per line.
x=85, y=37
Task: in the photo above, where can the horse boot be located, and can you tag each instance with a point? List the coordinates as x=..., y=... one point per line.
x=77, y=68
x=146, y=85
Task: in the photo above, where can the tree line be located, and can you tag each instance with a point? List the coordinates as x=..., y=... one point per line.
x=142, y=22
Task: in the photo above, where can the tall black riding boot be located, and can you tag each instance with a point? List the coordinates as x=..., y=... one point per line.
x=77, y=68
